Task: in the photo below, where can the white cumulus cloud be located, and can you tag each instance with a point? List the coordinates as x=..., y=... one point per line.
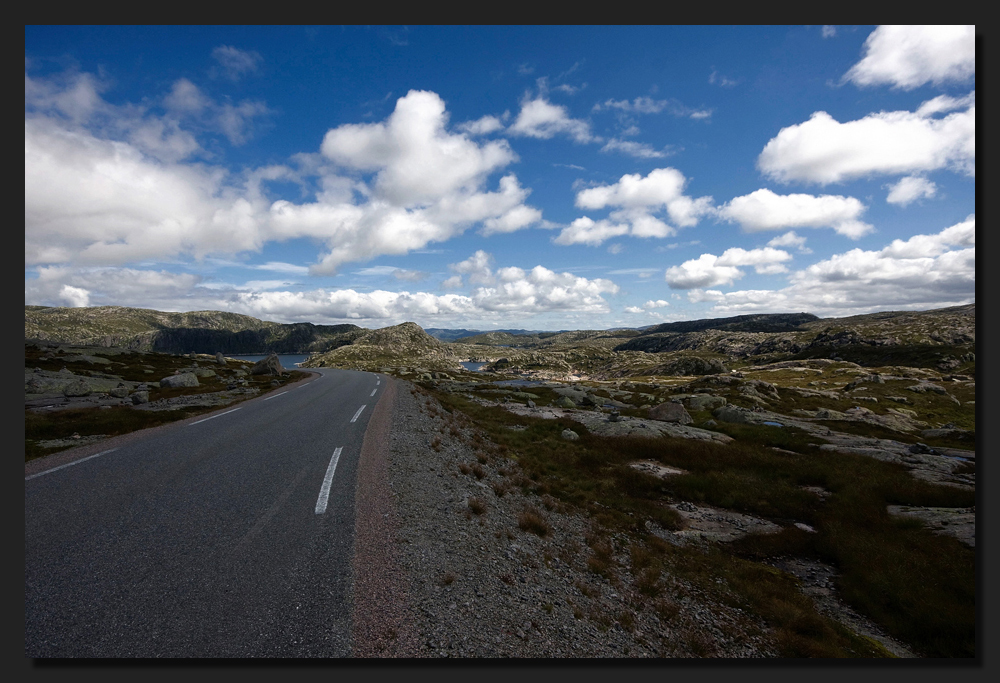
x=925, y=271
x=709, y=270
x=909, y=189
x=790, y=239
x=764, y=210
x=823, y=150
x=539, y=118
x=910, y=56
x=636, y=199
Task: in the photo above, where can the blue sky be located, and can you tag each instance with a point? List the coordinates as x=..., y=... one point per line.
x=491, y=177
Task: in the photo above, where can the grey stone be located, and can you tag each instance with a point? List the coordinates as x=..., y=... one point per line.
x=570, y=435
x=730, y=413
x=565, y=402
x=184, y=379
x=77, y=388
x=705, y=401
x=670, y=412
x=121, y=391
x=269, y=366
x=140, y=397
x=204, y=372
x=219, y=358
x=924, y=387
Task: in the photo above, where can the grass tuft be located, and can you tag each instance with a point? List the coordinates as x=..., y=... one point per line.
x=531, y=520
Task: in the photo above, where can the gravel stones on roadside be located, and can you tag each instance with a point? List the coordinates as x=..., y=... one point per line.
x=481, y=586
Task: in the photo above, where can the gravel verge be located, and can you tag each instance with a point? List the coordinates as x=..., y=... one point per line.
x=444, y=569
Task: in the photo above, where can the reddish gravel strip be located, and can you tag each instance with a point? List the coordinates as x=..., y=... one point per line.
x=382, y=623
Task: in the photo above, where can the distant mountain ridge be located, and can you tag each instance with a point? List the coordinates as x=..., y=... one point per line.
x=198, y=331
x=762, y=322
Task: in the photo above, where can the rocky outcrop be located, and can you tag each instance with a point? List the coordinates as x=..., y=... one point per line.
x=692, y=366
x=268, y=366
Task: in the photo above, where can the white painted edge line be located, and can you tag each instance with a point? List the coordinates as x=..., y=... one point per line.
x=373, y=392
x=358, y=414
x=69, y=464
x=324, y=490
x=276, y=396
x=215, y=416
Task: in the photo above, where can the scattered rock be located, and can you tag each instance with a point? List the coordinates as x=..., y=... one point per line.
x=77, y=388
x=570, y=435
x=564, y=402
x=705, y=401
x=271, y=366
x=670, y=412
x=184, y=379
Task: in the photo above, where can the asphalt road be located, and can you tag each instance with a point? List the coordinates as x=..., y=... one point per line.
x=210, y=538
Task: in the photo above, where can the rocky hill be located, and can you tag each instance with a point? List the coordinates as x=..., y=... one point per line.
x=942, y=339
x=764, y=322
x=405, y=344
x=198, y=331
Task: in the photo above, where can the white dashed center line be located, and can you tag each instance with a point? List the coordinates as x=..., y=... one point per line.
x=70, y=464
x=373, y=391
x=215, y=416
x=324, y=490
x=357, y=414
x=276, y=396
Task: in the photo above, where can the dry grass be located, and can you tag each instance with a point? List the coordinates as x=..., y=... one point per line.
x=477, y=505
x=533, y=521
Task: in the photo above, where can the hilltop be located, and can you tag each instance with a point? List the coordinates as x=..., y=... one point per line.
x=142, y=329
x=934, y=339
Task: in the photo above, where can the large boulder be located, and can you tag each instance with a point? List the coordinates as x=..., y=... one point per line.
x=120, y=391
x=670, y=412
x=564, y=402
x=77, y=388
x=269, y=366
x=220, y=359
x=184, y=379
x=731, y=413
x=703, y=401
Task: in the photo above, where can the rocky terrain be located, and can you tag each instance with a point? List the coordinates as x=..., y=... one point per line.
x=198, y=331
x=714, y=488
x=80, y=394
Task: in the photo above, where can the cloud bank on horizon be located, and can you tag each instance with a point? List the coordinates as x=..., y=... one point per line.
x=619, y=176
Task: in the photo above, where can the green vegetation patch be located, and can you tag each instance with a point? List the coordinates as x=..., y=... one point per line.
x=918, y=586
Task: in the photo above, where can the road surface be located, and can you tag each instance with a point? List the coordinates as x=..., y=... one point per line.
x=225, y=536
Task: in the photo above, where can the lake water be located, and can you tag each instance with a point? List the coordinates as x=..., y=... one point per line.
x=287, y=361
x=474, y=367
